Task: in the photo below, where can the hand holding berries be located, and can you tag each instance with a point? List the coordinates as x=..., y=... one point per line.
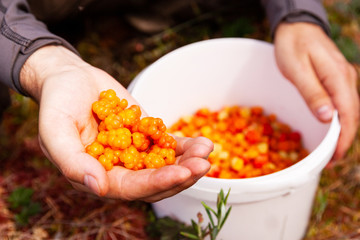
x=66, y=87
x=126, y=140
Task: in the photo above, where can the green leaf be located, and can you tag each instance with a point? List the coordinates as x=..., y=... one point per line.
x=227, y=196
x=32, y=209
x=212, y=229
x=167, y=228
x=320, y=204
x=189, y=235
x=26, y=212
x=220, y=197
x=349, y=48
x=194, y=224
x=209, y=208
x=226, y=216
x=20, y=197
x=214, y=233
x=197, y=228
x=208, y=212
x=222, y=211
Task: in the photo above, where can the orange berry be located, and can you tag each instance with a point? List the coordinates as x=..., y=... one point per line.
x=152, y=129
x=102, y=108
x=113, y=121
x=102, y=126
x=157, y=135
x=119, y=138
x=153, y=160
x=123, y=103
x=109, y=95
x=95, y=149
x=136, y=110
x=140, y=141
x=168, y=155
x=102, y=137
x=257, y=110
x=106, y=162
x=166, y=141
x=130, y=117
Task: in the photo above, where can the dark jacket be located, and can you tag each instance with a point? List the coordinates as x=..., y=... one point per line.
x=23, y=29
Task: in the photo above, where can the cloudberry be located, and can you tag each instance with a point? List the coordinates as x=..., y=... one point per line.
x=113, y=121
x=119, y=138
x=95, y=149
x=140, y=141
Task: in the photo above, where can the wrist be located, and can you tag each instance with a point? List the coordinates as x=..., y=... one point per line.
x=292, y=29
x=42, y=64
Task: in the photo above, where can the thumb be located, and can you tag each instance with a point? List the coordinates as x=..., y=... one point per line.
x=65, y=150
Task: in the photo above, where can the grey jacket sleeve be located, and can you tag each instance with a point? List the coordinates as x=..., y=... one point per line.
x=20, y=36
x=311, y=11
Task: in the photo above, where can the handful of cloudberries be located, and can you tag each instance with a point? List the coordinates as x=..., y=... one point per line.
x=125, y=139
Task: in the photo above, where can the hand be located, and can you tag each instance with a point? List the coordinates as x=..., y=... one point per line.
x=312, y=62
x=65, y=88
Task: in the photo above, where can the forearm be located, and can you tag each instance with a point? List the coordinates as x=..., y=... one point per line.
x=20, y=36
x=311, y=11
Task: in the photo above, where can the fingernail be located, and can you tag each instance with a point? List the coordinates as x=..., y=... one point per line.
x=206, y=157
x=91, y=183
x=325, y=112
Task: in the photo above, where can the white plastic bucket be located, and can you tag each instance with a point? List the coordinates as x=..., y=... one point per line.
x=234, y=71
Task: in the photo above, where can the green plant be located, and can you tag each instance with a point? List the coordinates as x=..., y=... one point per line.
x=20, y=201
x=320, y=204
x=213, y=228
x=241, y=27
x=166, y=228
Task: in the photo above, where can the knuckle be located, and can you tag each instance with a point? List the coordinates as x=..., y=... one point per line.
x=344, y=71
x=342, y=67
x=353, y=74
x=68, y=173
x=348, y=70
x=317, y=97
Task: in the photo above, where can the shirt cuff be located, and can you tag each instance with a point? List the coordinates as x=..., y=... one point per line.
x=306, y=17
x=24, y=53
x=21, y=34
x=311, y=11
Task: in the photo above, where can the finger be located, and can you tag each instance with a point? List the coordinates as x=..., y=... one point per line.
x=141, y=184
x=196, y=175
x=194, y=154
x=299, y=71
x=194, y=151
x=195, y=159
x=347, y=103
x=339, y=79
x=64, y=149
x=204, y=146
x=192, y=159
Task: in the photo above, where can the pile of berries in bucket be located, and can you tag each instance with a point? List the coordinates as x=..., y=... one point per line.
x=247, y=142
